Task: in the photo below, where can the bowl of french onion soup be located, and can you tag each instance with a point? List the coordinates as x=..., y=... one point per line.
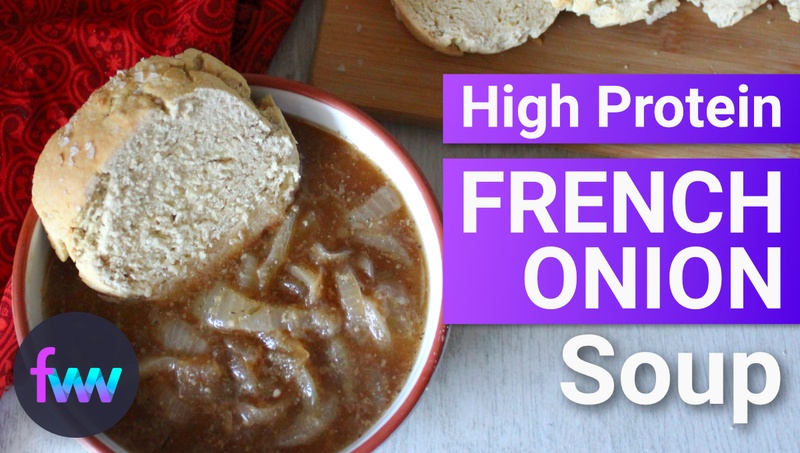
x=320, y=336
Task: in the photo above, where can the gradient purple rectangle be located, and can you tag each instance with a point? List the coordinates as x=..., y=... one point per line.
x=621, y=127
x=484, y=271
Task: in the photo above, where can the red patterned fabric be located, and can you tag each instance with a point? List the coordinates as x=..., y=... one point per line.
x=8, y=341
x=55, y=53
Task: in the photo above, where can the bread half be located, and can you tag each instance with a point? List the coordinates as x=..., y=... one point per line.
x=725, y=13
x=794, y=9
x=167, y=170
x=607, y=13
x=455, y=27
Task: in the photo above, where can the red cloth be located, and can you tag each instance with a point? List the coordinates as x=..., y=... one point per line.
x=55, y=53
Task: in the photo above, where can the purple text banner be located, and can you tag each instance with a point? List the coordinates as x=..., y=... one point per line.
x=611, y=109
x=621, y=241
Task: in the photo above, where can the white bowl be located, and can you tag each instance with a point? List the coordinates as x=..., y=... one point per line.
x=375, y=143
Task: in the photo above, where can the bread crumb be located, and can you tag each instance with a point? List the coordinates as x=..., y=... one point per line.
x=73, y=151
x=341, y=68
x=361, y=62
x=626, y=66
x=359, y=27
x=769, y=7
x=89, y=148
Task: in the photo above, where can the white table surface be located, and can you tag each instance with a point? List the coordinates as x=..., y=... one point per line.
x=498, y=387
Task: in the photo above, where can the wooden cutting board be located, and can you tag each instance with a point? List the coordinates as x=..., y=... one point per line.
x=367, y=57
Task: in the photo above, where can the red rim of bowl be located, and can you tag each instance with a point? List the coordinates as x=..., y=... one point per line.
x=23, y=245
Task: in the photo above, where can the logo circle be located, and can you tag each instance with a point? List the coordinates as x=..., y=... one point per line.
x=76, y=374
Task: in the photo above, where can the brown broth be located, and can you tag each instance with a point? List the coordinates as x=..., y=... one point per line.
x=182, y=411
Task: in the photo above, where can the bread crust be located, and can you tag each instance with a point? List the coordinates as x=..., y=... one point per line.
x=411, y=20
x=70, y=166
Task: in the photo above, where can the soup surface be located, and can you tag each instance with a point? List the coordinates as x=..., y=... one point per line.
x=299, y=344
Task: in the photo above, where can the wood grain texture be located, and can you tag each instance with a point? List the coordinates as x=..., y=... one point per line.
x=366, y=56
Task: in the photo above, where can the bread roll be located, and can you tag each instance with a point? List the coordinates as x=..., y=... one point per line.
x=455, y=27
x=166, y=171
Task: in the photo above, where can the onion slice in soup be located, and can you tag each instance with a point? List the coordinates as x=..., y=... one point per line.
x=380, y=204
x=261, y=415
x=280, y=247
x=384, y=243
x=366, y=265
x=248, y=273
x=227, y=309
x=194, y=378
x=312, y=421
x=312, y=280
x=363, y=318
x=321, y=255
x=315, y=416
x=243, y=358
x=343, y=368
x=180, y=337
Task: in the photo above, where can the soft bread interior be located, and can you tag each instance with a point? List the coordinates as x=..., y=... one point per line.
x=165, y=172
x=606, y=13
x=725, y=13
x=193, y=180
x=458, y=26
x=793, y=6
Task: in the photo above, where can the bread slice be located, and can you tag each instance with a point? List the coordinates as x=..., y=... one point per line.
x=606, y=13
x=725, y=13
x=794, y=9
x=166, y=171
x=455, y=27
